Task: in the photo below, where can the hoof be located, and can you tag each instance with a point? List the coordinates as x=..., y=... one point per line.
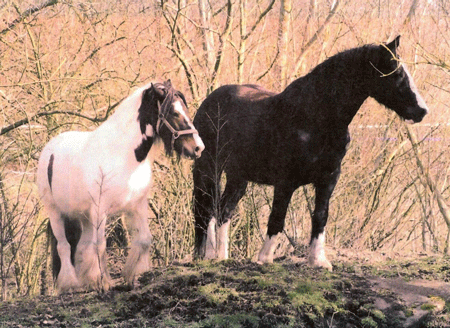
x=67, y=287
x=267, y=251
x=321, y=262
x=317, y=257
x=99, y=283
x=67, y=282
x=262, y=259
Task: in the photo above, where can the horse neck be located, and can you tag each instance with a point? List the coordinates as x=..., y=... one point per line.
x=334, y=91
x=121, y=132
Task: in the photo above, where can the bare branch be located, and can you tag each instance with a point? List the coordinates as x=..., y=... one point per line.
x=316, y=35
x=27, y=13
x=260, y=18
x=27, y=120
x=223, y=40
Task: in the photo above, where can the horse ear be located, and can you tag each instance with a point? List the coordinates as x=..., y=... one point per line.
x=392, y=46
x=159, y=90
x=183, y=98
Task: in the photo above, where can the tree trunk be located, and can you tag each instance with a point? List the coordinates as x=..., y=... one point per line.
x=283, y=38
x=204, y=10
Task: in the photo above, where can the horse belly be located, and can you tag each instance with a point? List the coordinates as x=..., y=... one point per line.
x=70, y=191
x=60, y=182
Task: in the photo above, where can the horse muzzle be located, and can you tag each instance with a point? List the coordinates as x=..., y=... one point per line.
x=192, y=146
x=415, y=114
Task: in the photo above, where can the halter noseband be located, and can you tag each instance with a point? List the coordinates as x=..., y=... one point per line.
x=175, y=133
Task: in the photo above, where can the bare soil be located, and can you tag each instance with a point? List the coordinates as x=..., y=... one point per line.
x=364, y=290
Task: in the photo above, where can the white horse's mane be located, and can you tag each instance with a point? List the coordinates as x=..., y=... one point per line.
x=125, y=118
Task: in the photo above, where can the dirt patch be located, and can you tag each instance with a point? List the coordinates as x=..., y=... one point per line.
x=288, y=293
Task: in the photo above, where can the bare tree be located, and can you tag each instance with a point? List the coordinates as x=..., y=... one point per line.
x=283, y=39
x=245, y=33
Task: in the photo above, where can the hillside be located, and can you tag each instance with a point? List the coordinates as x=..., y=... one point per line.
x=364, y=291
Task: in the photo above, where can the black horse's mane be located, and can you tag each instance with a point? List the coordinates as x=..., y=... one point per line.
x=343, y=64
x=335, y=77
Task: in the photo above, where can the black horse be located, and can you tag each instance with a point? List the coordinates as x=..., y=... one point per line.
x=290, y=139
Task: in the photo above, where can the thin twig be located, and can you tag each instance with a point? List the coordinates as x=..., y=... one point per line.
x=27, y=120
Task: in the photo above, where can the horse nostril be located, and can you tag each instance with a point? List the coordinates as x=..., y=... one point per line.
x=198, y=151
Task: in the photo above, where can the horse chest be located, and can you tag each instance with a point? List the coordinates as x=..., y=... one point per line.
x=320, y=154
x=139, y=181
x=113, y=186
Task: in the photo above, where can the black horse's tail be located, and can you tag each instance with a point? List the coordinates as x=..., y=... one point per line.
x=73, y=235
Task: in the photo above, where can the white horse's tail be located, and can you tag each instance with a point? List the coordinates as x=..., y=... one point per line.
x=73, y=234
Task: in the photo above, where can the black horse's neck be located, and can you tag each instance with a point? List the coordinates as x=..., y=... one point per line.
x=335, y=90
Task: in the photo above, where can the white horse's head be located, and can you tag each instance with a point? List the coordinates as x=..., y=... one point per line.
x=163, y=114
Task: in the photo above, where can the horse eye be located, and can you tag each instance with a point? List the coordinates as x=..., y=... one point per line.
x=176, y=114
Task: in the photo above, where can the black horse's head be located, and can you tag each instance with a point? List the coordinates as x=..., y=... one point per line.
x=163, y=114
x=394, y=86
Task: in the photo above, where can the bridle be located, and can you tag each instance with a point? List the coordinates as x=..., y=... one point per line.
x=162, y=120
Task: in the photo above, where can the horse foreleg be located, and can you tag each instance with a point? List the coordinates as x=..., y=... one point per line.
x=317, y=255
x=90, y=257
x=66, y=278
x=138, y=260
x=282, y=197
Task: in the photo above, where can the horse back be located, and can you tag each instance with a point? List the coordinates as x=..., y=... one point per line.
x=235, y=124
x=230, y=105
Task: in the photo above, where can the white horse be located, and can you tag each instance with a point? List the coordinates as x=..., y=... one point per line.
x=84, y=177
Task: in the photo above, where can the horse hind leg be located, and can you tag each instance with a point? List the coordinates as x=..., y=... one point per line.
x=63, y=268
x=138, y=260
x=234, y=191
x=205, y=202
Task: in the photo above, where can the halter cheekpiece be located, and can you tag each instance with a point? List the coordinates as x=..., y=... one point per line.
x=162, y=111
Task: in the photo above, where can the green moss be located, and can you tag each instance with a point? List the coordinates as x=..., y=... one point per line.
x=428, y=307
x=369, y=322
x=216, y=294
x=408, y=312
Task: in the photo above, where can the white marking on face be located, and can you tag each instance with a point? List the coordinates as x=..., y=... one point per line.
x=198, y=141
x=179, y=108
x=420, y=101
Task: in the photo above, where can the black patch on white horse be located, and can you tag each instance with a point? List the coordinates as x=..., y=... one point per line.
x=50, y=170
x=147, y=115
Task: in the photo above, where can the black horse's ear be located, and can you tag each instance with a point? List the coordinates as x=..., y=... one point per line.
x=392, y=46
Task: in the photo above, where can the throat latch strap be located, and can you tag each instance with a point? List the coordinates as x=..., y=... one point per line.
x=175, y=133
